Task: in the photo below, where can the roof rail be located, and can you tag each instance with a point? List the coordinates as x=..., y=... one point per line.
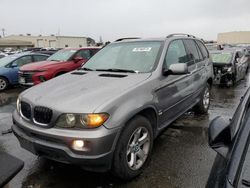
x=128, y=38
x=180, y=34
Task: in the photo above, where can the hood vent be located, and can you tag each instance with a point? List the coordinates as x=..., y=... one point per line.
x=79, y=73
x=113, y=75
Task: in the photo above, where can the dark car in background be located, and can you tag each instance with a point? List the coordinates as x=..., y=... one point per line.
x=230, y=66
x=61, y=62
x=231, y=139
x=9, y=67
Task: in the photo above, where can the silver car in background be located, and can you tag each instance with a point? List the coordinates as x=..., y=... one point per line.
x=106, y=115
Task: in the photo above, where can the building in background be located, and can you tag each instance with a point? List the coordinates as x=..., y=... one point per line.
x=236, y=37
x=50, y=41
x=8, y=43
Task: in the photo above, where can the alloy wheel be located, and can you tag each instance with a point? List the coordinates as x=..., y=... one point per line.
x=138, y=148
x=3, y=84
x=206, y=98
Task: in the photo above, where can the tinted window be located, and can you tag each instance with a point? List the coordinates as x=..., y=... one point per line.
x=94, y=51
x=176, y=53
x=199, y=52
x=192, y=50
x=39, y=58
x=203, y=49
x=85, y=54
x=23, y=60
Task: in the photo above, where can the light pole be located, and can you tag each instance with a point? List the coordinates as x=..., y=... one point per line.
x=3, y=30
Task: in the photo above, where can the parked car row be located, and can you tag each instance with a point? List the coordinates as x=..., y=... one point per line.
x=59, y=63
x=9, y=67
x=31, y=68
x=106, y=114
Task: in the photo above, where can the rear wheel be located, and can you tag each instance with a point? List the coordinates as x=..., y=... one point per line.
x=133, y=149
x=203, y=106
x=3, y=83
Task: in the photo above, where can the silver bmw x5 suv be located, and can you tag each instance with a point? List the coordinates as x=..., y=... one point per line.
x=106, y=115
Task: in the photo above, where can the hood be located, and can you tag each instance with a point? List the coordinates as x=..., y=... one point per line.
x=39, y=65
x=82, y=92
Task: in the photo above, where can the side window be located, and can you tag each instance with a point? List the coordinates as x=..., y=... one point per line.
x=192, y=50
x=199, y=52
x=39, y=58
x=176, y=53
x=93, y=52
x=203, y=49
x=85, y=54
x=23, y=60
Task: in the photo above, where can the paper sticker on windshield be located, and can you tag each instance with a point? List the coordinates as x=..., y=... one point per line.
x=73, y=51
x=142, y=49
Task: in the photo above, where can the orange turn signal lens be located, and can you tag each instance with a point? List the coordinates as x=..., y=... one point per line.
x=96, y=120
x=93, y=120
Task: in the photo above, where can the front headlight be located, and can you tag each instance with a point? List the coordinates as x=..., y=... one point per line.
x=18, y=105
x=81, y=120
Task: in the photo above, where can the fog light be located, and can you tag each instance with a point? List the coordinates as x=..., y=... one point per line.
x=78, y=145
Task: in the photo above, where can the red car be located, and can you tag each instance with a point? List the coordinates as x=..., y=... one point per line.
x=59, y=63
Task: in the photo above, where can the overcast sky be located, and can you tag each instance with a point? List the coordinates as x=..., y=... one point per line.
x=113, y=19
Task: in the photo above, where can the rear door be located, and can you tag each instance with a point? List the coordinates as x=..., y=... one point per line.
x=174, y=91
x=199, y=73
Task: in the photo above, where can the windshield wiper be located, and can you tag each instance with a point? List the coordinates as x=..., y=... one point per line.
x=85, y=68
x=117, y=70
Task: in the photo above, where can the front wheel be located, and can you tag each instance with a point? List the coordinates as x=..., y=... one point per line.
x=203, y=106
x=133, y=149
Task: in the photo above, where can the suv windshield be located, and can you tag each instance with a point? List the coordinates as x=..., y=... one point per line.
x=130, y=56
x=62, y=55
x=222, y=57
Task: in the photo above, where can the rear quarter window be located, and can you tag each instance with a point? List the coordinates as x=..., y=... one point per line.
x=203, y=49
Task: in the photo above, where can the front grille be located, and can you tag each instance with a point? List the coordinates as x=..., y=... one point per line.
x=27, y=76
x=42, y=114
x=26, y=110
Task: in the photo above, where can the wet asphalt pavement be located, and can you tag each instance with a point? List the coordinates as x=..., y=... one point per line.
x=181, y=156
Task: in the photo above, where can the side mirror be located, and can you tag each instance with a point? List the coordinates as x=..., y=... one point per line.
x=219, y=135
x=77, y=59
x=177, y=68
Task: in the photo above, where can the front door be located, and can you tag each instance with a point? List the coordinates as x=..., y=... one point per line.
x=174, y=91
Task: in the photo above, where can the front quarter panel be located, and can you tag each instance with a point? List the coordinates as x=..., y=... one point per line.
x=127, y=105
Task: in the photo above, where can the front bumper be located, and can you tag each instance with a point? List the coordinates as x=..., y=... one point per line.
x=223, y=78
x=55, y=144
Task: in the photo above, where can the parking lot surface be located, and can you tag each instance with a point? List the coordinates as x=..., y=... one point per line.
x=181, y=155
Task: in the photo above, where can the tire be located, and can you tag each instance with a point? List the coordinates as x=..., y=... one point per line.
x=130, y=159
x=203, y=105
x=3, y=83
